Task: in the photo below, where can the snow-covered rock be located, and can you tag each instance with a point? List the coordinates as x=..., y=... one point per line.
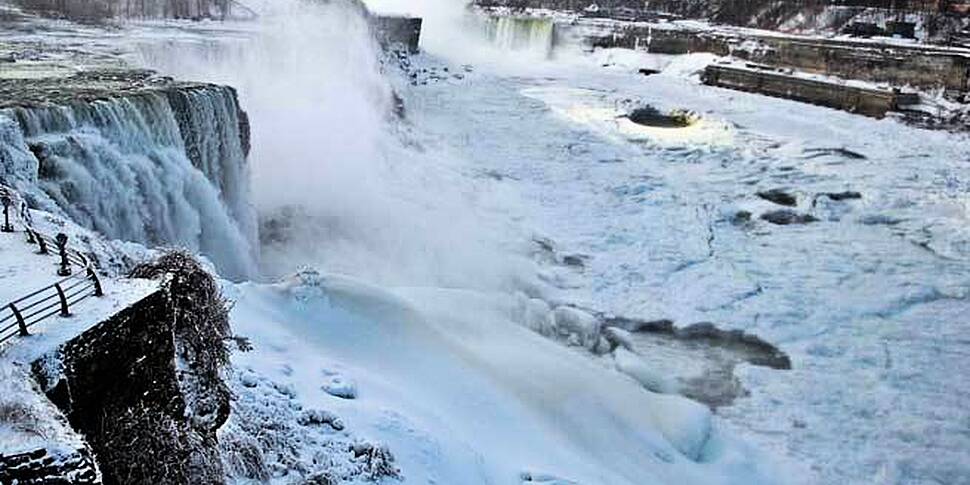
x=573, y=321
x=340, y=386
x=630, y=364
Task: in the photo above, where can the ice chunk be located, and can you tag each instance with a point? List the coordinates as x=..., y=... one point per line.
x=538, y=316
x=632, y=365
x=586, y=327
x=249, y=379
x=339, y=386
x=618, y=337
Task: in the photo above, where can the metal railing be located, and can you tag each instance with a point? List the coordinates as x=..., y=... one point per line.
x=55, y=300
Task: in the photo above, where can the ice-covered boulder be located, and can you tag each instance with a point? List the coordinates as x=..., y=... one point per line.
x=573, y=321
x=688, y=425
x=317, y=417
x=618, y=337
x=340, y=386
x=538, y=316
x=632, y=365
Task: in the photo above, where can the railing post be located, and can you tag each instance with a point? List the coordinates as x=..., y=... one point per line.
x=25, y=218
x=97, y=282
x=42, y=243
x=65, y=312
x=7, y=202
x=20, y=321
x=61, y=240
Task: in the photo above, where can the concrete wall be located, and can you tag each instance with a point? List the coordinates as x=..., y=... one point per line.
x=869, y=102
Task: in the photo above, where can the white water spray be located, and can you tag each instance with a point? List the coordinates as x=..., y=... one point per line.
x=334, y=183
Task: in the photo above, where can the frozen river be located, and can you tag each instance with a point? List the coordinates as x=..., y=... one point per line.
x=871, y=302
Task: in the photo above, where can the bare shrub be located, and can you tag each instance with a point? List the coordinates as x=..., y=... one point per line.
x=377, y=461
x=202, y=332
x=135, y=451
x=20, y=416
x=242, y=457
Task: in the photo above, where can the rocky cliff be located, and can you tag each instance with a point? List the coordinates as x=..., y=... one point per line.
x=936, y=20
x=144, y=388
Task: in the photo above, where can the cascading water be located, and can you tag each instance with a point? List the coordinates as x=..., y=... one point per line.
x=522, y=34
x=16, y=161
x=158, y=167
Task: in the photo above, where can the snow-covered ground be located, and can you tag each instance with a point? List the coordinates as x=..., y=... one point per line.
x=25, y=271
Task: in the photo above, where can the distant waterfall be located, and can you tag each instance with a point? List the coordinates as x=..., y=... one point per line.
x=162, y=167
x=522, y=34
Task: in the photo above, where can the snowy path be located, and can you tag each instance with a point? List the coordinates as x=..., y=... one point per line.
x=870, y=302
x=23, y=270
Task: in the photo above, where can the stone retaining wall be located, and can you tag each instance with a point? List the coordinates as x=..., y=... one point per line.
x=869, y=102
x=41, y=466
x=922, y=67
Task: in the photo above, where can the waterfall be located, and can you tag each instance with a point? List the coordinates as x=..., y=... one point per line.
x=522, y=34
x=15, y=157
x=162, y=167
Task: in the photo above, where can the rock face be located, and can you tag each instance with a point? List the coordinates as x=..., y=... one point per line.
x=769, y=14
x=143, y=387
x=397, y=30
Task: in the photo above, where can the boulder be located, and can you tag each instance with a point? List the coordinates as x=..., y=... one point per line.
x=779, y=197
x=787, y=217
x=574, y=321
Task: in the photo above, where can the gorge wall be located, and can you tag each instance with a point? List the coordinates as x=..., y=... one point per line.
x=938, y=19
x=395, y=30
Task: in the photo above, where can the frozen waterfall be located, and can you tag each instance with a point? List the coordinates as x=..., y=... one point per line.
x=522, y=34
x=165, y=167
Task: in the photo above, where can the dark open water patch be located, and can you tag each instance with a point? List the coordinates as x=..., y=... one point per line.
x=700, y=358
